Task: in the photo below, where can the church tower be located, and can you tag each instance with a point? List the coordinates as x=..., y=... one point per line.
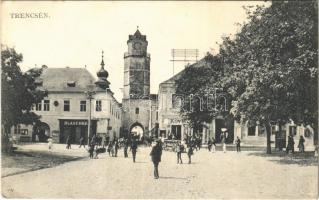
x=136, y=68
x=136, y=101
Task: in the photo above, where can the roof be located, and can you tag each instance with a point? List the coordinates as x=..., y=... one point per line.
x=57, y=79
x=137, y=36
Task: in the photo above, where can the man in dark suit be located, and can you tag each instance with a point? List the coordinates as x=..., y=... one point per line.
x=134, y=149
x=156, y=155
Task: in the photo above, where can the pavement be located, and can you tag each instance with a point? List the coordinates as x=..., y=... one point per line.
x=249, y=174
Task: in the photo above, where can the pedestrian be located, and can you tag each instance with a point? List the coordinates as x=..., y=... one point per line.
x=91, y=151
x=290, y=145
x=237, y=144
x=156, y=155
x=93, y=140
x=36, y=138
x=199, y=142
x=50, y=144
x=125, y=148
x=209, y=144
x=97, y=151
x=82, y=142
x=103, y=141
x=179, y=152
x=109, y=148
x=213, y=145
x=190, y=153
x=301, y=145
x=223, y=137
x=116, y=147
x=68, y=142
x=134, y=149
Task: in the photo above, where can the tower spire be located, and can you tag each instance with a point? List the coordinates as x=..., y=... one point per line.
x=102, y=63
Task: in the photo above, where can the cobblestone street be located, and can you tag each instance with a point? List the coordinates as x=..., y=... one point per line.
x=211, y=175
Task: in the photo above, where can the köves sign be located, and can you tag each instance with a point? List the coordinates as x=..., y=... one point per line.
x=75, y=122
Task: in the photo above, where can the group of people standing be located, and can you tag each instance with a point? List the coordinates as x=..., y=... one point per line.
x=291, y=144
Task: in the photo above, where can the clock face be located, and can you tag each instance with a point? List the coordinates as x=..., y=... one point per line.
x=137, y=45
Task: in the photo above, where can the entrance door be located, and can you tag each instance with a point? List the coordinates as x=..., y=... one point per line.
x=176, y=131
x=219, y=124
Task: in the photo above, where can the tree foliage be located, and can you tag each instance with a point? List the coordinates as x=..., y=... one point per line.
x=269, y=68
x=19, y=92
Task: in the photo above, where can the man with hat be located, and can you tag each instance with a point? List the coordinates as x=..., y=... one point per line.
x=156, y=155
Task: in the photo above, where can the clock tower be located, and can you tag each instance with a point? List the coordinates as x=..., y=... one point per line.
x=136, y=67
x=136, y=103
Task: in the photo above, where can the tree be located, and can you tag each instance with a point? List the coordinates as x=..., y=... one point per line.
x=271, y=65
x=199, y=86
x=19, y=92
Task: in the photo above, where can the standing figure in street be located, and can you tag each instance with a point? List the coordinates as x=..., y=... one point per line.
x=237, y=144
x=116, y=146
x=290, y=145
x=223, y=137
x=50, y=144
x=93, y=140
x=109, y=148
x=68, y=142
x=301, y=145
x=82, y=142
x=190, y=153
x=91, y=151
x=213, y=145
x=134, y=149
x=125, y=148
x=179, y=152
x=156, y=155
x=209, y=144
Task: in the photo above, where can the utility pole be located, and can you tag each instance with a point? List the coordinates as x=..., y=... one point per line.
x=89, y=94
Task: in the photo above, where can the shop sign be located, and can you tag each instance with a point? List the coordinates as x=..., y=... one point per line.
x=75, y=123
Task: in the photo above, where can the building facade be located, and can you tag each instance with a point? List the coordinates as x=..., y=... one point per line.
x=74, y=97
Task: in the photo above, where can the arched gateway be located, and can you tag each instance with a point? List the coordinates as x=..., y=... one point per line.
x=137, y=130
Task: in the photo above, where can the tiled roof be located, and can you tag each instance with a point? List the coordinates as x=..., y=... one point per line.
x=57, y=79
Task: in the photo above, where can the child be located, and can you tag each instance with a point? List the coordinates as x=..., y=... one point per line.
x=50, y=143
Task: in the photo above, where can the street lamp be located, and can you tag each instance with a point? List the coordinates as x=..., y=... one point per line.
x=89, y=94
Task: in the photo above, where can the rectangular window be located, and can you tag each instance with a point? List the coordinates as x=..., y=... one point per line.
x=46, y=105
x=292, y=130
x=156, y=115
x=137, y=110
x=66, y=105
x=98, y=106
x=252, y=131
x=38, y=106
x=83, y=106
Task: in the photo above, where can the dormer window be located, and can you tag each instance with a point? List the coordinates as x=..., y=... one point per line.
x=71, y=83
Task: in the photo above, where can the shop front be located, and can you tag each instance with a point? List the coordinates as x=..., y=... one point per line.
x=75, y=129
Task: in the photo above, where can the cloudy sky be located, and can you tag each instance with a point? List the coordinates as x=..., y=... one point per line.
x=76, y=32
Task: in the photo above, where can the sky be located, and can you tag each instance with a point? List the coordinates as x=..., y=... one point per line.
x=75, y=33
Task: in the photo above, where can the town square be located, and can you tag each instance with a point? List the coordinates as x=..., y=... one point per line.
x=160, y=100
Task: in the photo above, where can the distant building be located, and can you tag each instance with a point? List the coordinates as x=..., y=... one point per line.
x=171, y=123
x=65, y=112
